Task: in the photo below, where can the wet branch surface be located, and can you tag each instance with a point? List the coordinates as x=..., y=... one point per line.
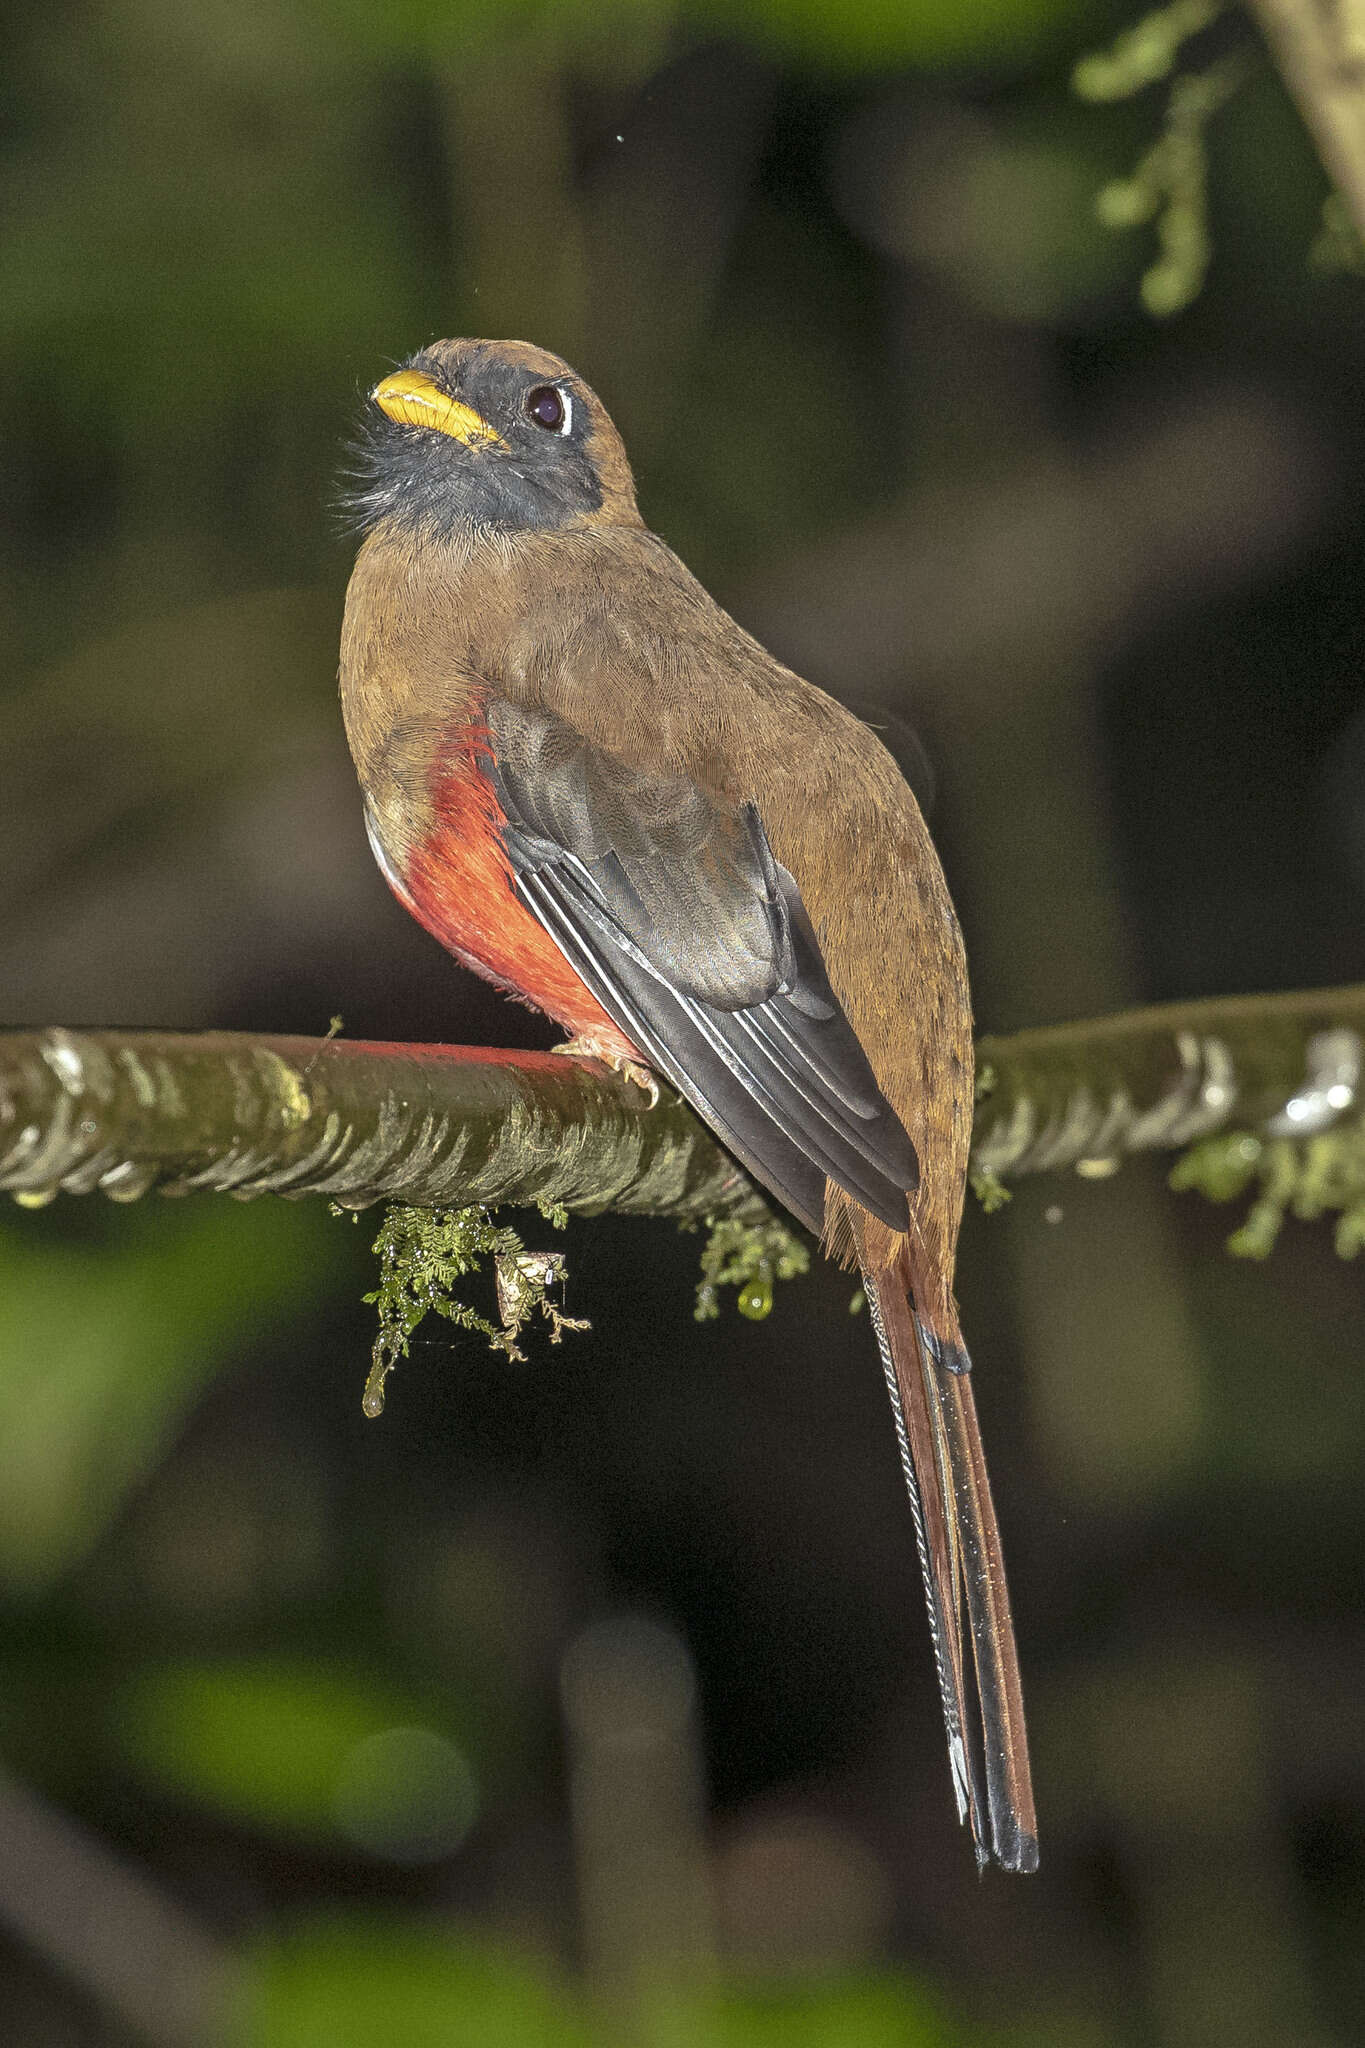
x=448, y=1126
x=1087, y=1094
x=431, y=1126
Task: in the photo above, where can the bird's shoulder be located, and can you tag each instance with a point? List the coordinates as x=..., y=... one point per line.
x=610, y=630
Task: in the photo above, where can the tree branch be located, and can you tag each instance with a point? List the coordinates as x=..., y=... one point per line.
x=1319, y=48
x=1083, y=1095
x=432, y=1126
x=441, y=1126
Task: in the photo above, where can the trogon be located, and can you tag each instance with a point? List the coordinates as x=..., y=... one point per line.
x=598, y=791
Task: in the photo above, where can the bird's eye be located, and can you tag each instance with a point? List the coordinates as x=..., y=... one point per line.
x=550, y=408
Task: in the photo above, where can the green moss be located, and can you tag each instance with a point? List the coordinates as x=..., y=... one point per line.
x=1303, y=1177
x=750, y=1256
x=425, y=1253
x=989, y=1189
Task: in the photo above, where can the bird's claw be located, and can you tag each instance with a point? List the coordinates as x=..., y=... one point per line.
x=632, y=1070
x=629, y=1070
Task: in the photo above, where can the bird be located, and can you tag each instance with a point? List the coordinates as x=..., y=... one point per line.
x=604, y=796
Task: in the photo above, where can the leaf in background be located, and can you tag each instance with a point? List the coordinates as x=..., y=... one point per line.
x=376, y=1984
x=872, y=2012
x=191, y=218
x=929, y=32
x=300, y=1747
x=104, y=1347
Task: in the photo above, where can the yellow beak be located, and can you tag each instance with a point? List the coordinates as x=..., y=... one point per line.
x=416, y=401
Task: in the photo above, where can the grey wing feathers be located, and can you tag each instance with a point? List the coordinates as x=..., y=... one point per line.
x=694, y=940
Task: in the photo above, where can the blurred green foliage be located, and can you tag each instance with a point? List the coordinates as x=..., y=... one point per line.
x=104, y=1346
x=366, y=1983
x=268, y=1741
x=1305, y=1177
x=881, y=33
x=882, y=2011
x=358, y=1985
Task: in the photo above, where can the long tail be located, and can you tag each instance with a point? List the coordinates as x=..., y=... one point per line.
x=964, y=1576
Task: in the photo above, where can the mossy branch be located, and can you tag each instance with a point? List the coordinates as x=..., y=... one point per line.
x=1085, y=1095
x=429, y=1126
x=449, y=1127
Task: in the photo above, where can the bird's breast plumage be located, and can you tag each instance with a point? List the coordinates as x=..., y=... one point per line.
x=455, y=878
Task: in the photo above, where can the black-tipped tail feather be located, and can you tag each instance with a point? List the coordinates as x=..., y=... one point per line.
x=964, y=1578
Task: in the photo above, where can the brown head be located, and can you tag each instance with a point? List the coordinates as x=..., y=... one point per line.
x=491, y=434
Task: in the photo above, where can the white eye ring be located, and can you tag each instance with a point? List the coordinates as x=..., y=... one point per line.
x=555, y=401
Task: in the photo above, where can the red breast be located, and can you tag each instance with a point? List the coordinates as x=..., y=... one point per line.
x=458, y=882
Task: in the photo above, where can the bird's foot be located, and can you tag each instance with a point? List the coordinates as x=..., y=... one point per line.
x=585, y=1048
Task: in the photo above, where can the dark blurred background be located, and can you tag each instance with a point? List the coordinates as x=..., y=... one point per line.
x=595, y=1694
